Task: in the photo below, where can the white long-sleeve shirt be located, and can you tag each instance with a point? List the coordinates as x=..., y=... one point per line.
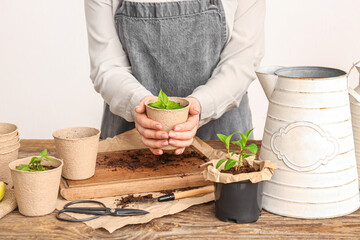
x=112, y=76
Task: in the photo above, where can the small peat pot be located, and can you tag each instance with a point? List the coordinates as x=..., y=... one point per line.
x=239, y=201
x=36, y=192
x=7, y=155
x=8, y=131
x=168, y=118
x=77, y=147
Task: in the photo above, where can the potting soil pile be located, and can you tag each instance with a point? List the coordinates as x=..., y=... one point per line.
x=131, y=140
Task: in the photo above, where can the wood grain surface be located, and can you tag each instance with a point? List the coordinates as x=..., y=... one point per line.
x=197, y=222
x=138, y=171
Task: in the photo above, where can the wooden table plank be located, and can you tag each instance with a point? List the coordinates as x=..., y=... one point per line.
x=196, y=222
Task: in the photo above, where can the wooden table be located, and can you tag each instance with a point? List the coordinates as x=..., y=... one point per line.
x=196, y=222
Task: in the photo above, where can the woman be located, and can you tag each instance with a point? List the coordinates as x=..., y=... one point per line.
x=205, y=50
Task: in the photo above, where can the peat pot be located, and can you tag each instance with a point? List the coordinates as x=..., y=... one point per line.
x=77, y=147
x=308, y=133
x=36, y=192
x=239, y=201
x=7, y=155
x=8, y=132
x=168, y=118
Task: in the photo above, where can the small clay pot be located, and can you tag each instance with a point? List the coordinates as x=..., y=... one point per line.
x=168, y=118
x=7, y=155
x=10, y=141
x=36, y=192
x=240, y=202
x=77, y=147
x=8, y=131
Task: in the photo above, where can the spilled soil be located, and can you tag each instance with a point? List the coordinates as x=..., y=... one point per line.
x=144, y=158
x=125, y=201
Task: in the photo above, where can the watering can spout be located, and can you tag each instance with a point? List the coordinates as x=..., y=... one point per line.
x=267, y=78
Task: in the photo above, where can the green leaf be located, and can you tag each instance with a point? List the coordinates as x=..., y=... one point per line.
x=33, y=159
x=49, y=158
x=252, y=148
x=222, y=137
x=229, y=164
x=41, y=168
x=23, y=167
x=227, y=141
x=158, y=105
x=238, y=142
x=247, y=134
x=232, y=154
x=43, y=153
x=179, y=107
x=220, y=162
x=163, y=98
x=243, y=139
x=172, y=105
x=248, y=155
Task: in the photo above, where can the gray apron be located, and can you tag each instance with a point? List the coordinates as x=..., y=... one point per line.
x=175, y=46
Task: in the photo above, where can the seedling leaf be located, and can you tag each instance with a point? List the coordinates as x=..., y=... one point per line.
x=43, y=153
x=220, y=162
x=247, y=134
x=158, y=105
x=227, y=141
x=229, y=164
x=49, y=158
x=222, y=137
x=163, y=98
x=248, y=155
x=252, y=148
x=34, y=164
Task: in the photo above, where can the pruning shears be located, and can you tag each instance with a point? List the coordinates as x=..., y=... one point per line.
x=96, y=211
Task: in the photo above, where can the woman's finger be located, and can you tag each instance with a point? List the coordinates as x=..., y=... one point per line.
x=191, y=123
x=180, y=143
x=179, y=151
x=146, y=122
x=140, y=108
x=156, y=151
x=152, y=143
x=149, y=133
x=183, y=135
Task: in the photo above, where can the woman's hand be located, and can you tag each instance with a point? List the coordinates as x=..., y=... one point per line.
x=150, y=130
x=183, y=134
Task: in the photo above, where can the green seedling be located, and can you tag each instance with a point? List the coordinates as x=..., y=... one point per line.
x=244, y=152
x=164, y=103
x=35, y=163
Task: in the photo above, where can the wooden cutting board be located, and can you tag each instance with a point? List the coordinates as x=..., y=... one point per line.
x=138, y=171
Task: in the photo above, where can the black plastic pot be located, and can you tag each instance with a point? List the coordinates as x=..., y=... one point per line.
x=240, y=201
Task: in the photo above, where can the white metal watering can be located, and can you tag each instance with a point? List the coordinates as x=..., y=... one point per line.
x=355, y=114
x=308, y=133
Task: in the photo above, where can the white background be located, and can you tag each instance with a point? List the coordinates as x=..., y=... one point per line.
x=44, y=64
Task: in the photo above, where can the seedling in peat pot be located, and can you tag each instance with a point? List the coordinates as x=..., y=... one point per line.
x=164, y=103
x=244, y=152
x=35, y=163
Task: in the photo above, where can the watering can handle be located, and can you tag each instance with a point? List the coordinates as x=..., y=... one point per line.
x=351, y=91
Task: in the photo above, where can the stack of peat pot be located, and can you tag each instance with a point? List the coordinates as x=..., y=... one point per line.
x=9, y=149
x=355, y=115
x=308, y=133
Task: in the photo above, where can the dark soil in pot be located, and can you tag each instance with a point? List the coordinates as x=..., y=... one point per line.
x=240, y=201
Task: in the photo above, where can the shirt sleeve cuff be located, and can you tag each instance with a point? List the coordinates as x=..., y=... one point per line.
x=207, y=104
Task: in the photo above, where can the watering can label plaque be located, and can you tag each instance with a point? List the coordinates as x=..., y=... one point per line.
x=304, y=146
